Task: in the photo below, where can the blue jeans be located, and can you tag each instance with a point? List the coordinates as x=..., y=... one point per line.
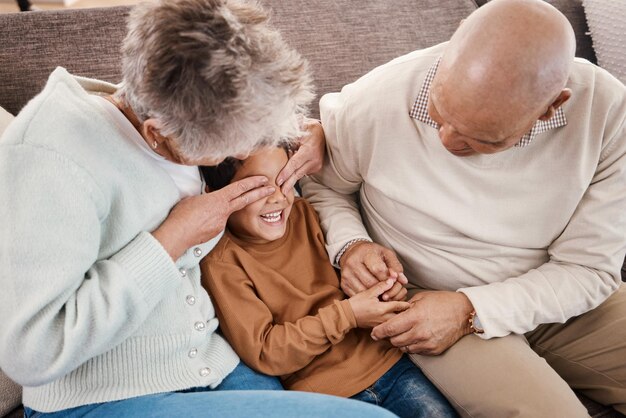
x=405, y=391
x=244, y=378
x=232, y=398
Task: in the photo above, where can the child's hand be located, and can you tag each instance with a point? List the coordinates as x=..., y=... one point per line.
x=369, y=311
x=397, y=291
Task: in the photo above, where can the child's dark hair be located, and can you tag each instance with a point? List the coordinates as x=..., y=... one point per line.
x=221, y=175
x=218, y=176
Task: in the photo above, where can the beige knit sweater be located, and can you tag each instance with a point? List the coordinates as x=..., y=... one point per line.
x=531, y=235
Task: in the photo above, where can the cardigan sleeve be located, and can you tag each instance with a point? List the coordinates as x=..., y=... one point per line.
x=60, y=305
x=247, y=323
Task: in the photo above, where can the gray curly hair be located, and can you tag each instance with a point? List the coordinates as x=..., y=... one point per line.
x=219, y=79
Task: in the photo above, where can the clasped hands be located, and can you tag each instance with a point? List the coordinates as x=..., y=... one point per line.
x=431, y=321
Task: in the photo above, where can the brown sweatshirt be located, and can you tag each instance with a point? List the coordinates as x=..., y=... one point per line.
x=280, y=306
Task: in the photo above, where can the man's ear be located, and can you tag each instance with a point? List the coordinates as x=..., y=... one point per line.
x=563, y=96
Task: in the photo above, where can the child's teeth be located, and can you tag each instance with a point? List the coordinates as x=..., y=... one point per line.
x=272, y=217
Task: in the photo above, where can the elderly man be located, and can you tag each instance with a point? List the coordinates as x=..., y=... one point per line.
x=494, y=166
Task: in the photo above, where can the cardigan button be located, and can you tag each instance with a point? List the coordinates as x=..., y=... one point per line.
x=205, y=372
x=193, y=352
x=197, y=251
x=190, y=299
x=183, y=272
x=199, y=326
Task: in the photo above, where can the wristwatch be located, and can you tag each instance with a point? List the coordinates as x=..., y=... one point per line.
x=474, y=323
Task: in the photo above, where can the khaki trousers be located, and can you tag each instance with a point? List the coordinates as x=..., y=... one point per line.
x=532, y=375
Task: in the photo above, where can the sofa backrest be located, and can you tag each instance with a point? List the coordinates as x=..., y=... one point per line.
x=85, y=41
x=342, y=39
x=345, y=39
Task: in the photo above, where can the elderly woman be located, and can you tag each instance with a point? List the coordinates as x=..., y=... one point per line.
x=103, y=219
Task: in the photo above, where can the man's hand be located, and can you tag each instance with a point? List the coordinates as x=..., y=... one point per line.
x=307, y=159
x=369, y=311
x=365, y=264
x=434, y=322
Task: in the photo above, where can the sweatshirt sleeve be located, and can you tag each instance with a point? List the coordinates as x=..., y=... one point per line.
x=60, y=305
x=248, y=324
x=333, y=191
x=584, y=261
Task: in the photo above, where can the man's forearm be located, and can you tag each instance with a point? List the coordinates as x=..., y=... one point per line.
x=339, y=215
x=552, y=293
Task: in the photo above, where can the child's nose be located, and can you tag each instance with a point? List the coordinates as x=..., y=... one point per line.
x=277, y=196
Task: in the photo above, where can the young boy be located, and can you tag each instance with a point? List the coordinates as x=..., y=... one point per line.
x=280, y=305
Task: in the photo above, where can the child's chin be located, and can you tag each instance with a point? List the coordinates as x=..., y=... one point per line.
x=278, y=233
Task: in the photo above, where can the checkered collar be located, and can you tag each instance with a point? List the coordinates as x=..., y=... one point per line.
x=419, y=111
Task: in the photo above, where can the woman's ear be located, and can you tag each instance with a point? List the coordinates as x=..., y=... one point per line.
x=558, y=102
x=166, y=147
x=150, y=130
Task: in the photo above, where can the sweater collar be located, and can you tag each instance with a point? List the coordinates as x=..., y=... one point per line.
x=419, y=111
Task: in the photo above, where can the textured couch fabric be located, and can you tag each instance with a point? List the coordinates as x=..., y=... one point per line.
x=607, y=25
x=10, y=394
x=86, y=42
x=342, y=39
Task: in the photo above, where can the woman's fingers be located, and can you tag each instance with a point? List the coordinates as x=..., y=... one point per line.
x=241, y=193
x=297, y=174
x=307, y=159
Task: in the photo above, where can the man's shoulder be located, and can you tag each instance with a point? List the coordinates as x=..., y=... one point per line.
x=401, y=74
x=597, y=108
x=415, y=61
x=594, y=88
x=589, y=78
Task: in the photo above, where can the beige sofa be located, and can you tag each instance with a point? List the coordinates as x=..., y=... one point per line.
x=343, y=39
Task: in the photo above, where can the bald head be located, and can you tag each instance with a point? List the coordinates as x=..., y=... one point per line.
x=504, y=67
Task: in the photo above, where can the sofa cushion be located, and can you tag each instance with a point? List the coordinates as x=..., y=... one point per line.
x=10, y=395
x=607, y=25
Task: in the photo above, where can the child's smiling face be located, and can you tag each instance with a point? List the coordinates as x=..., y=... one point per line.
x=264, y=220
